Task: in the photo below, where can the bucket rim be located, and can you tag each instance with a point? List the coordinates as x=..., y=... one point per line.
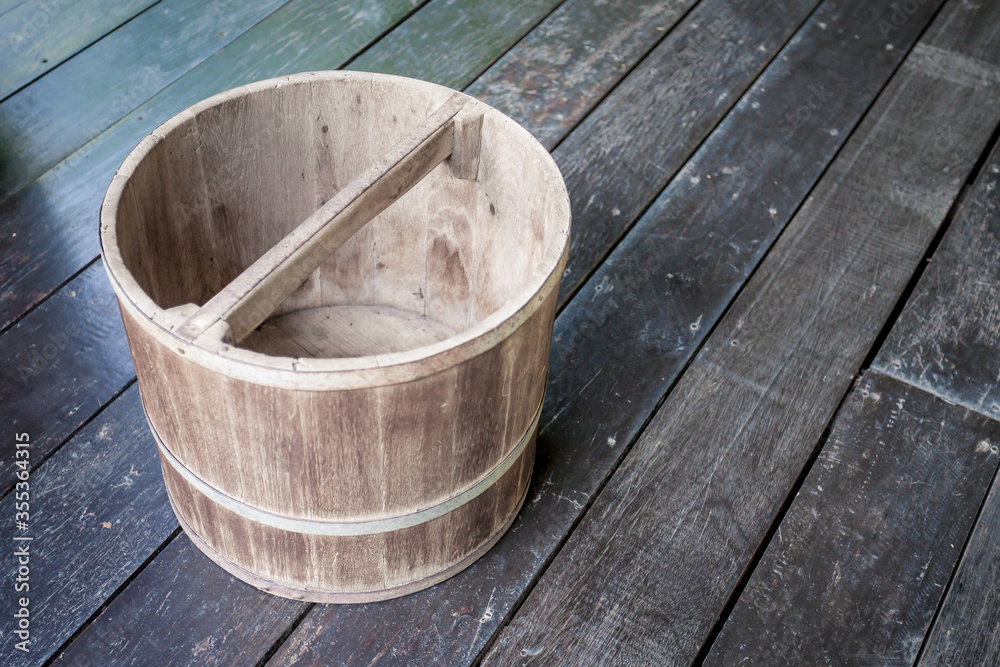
x=347, y=372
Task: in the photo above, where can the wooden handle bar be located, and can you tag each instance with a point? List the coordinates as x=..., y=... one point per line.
x=232, y=314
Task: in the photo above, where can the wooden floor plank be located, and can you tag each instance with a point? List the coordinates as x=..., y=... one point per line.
x=947, y=340
x=48, y=226
x=615, y=351
x=629, y=148
x=40, y=34
x=127, y=634
x=103, y=497
x=49, y=119
x=572, y=59
x=864, y=554
x=651, y=566
x=61, y=364
x=873, y=536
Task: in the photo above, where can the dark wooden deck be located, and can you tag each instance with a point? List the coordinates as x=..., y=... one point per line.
x=773, y=420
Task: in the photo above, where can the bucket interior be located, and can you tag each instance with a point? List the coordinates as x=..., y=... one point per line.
x=225, y=184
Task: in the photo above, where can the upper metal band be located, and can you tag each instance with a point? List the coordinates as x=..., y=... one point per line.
x=313, y=527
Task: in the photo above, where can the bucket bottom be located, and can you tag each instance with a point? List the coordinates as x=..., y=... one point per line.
x=334, y=332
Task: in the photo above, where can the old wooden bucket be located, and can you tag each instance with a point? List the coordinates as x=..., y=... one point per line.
x=375, y=435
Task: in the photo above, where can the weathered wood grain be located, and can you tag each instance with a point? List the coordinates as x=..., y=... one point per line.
x=48, y=226
x=102, y=497
x=819, y=597
x=623, y=340
x=205, y=632
x=52, y=117
x=947, y=339
x=40, y=34
x=345, y=331
x=629, y=148
x=60, y=365
x=563, y=67
x=650, y=568
x=862, y=558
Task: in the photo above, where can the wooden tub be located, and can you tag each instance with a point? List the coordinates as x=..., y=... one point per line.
x=375, y=435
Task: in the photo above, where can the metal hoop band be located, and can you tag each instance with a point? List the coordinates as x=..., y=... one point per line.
x=386, y=525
